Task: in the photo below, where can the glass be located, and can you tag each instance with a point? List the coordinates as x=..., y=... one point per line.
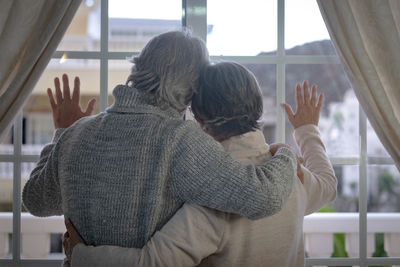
x=339, y=116
x=374, y=145
x=132, y=24
x=383, y=188
x=305, y=30
x=7, y=143
x=266, y=77
x=118, y=72
x=347, y=189
x=6, y=207
x=344, y=218
x=246, y=28
x=83, y=34
x=383, y=210
x=38, y=126
x=40, y=237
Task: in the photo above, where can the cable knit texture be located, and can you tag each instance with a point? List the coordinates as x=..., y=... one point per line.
x=120, y=175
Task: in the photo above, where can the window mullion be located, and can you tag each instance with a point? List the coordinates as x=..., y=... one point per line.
x=17, y=136
x=363, y=193
x=104, y=55
x=195, y=17
x=280, y=73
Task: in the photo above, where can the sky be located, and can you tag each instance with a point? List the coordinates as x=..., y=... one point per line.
x=240, y=28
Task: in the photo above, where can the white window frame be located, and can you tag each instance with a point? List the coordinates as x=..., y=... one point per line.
x=197, y=21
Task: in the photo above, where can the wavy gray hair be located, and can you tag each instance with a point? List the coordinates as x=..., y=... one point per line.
x=168, y=68
x=229, y=100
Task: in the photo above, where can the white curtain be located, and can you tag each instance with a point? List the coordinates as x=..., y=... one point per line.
x=30, y=31
x=366, y=35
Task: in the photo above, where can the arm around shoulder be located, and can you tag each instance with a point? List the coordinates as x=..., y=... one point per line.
x=191, y=235
x=104, y=256
x=204, y=174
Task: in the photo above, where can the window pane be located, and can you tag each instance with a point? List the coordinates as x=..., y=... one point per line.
x=383, y=188
x=38, y=126
x=118, y=72
x=133, y=23
x=266, y=77
x=83, y=34
x=347, y=189
x=374, y=145
x=339, y=117
x=383, y=210
x=40, y=237
x=6, y=145
x=6, y=206
x=305, y=30
x=246, y=28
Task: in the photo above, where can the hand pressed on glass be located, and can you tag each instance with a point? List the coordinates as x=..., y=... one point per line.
x=308, y=108
x=66, y=109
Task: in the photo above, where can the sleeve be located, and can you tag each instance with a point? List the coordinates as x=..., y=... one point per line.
x=41, y=194
x=104, y=256
x=204, y=174
x=192, y=234
x=320, y=182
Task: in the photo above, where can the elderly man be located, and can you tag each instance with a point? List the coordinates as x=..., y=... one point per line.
x=121, y=175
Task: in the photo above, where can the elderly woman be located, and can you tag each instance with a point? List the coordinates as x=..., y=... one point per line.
x=228, y=106
x=122, y=174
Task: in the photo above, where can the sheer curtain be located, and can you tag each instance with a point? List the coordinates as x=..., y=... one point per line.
x=30, y=32
x=366, y=35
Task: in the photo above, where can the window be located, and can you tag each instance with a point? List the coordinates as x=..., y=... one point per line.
x=281, y=42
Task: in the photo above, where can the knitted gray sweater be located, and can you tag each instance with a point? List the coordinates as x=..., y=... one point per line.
x=120, y=175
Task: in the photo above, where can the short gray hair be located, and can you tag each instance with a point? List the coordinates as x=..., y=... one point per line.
x=168, y=68
x=229, y=100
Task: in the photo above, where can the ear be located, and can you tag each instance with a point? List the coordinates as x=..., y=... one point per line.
x=202, y=125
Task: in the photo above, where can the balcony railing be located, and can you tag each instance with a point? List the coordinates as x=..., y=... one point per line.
x=318, y=228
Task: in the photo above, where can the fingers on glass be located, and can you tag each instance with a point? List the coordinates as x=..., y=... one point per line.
x=59, y=95
x=306, y=92
x=299, y=97
x=66, y=91
x=90, y=107
x=313, y=95
x=51, y=99
x=76, y=92
x=320, y=101
x=289, y=110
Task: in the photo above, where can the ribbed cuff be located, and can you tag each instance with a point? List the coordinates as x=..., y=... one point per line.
x=287, y=152
x=305, y=129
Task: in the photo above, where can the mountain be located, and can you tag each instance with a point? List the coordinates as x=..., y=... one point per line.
x=330, y=78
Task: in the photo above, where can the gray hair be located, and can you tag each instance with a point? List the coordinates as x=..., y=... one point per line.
x=229, y=100
x=168, y=68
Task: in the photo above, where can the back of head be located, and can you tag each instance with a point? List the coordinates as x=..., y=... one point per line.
x=229, y=100
x=168, y=68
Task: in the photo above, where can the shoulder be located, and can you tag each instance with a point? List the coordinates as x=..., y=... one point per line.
x=190, y=133
x=80, y=129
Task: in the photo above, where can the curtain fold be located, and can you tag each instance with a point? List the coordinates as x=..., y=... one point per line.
x=366, y=35
x=30, y=32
